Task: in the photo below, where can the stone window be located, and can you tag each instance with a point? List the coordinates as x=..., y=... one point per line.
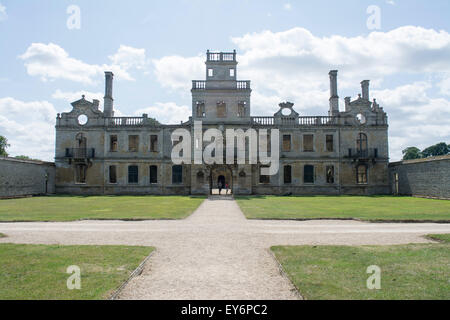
x=112, y=174
x=287, y=174
x=133, y=143
x=308, y=174
x=200, y=177
x=177, y=174
x=153, y=143
x=200, y=109
x=308, y=143
x=361, y=174
x=286, y=142
x=113, y=144
x=241, y=109
x=210, y=72
x=221, y=109
x=361, y=143
x=330, y=174
x=133, y=174
x=329, y=143
x=153, y=174
x=263, y=178
x=80, y=173
x=231, y=72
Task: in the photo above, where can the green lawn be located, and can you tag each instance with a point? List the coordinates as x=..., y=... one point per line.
x=440, y=237
x=67, y=208
x=345, y=207
x=413, y=271
x=39, y=271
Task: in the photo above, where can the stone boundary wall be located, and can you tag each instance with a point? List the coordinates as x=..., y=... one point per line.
x=428, y=177
x=26, y=177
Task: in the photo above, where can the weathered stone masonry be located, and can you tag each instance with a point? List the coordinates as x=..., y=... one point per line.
x=421, y=177
x=344, y=152
x=26, y=177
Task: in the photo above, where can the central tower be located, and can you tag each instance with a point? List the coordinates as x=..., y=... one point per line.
x=221, y=97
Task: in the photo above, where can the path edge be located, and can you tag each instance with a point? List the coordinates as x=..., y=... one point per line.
x=285, y=275
x=135, y=273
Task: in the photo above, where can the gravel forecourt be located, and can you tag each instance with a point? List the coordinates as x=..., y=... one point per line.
x=215, y=253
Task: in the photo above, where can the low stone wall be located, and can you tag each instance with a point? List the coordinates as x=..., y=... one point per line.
x=26, y=177
x=428, y=177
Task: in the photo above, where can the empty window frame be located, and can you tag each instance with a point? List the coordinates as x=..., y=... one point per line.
x=200, y=177
x=153, y=143
x=361, y=142
x=287, y=172
x=329, y=170
x=113, y=143
x=286, y=142
x=133, y=143
x=133, y=174
x=200, y=106
x=308, y=143
x=263, y=178
x=361, y=174
x=153, y=174
x=177, y=174
x=210, y=72
x=329, y=143
x=232, y=72
x=308, y=174
x=80, y=173
x=221, y=109
x=112, y=174
x=241, y=109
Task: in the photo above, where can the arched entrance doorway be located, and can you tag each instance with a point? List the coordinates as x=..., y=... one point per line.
x=221, y=175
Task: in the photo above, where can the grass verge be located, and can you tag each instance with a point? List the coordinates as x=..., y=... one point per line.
x=69, y=208
x=38, y=272
x=413, y=271
x=370, y=208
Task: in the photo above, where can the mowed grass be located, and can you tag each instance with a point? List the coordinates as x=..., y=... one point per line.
x=413, y=271
x=68, y=208
x=371, y=208
x=39, y=271
x=440, y=237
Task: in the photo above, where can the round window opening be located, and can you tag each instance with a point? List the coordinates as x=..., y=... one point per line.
x=82, y=119
x=361, y=118
x=286, y=112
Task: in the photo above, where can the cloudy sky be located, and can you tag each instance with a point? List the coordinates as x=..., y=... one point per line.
x=49, y=58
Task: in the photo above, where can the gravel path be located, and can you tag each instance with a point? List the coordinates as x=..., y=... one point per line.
x=215, y=253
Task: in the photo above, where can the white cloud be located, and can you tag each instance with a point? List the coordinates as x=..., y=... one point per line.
x=129, y=57
x=176, y=72
x=3, y=14
x=167, y=112
x=23, y=121
x=71, y=96
x=51, y=62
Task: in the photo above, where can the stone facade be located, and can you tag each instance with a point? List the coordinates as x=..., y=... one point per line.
x=345, y=152
x=26, y=177
x=428, y=177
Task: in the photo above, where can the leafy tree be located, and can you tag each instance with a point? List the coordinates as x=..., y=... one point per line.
x=439, y=149
x=23, y=157
x=3, y=145
x=411, y=153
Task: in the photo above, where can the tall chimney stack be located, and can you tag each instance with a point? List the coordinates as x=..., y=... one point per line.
x=365, y=89
x=108, y=108
x=334, y=98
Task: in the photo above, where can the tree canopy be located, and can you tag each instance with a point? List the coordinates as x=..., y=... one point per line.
x=439, y=149
x=3, y=146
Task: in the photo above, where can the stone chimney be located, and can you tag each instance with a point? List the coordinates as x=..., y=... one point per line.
x=96, y=103
x=347, y=104
x=108, y=99
x=365, y=89
x=334, y=98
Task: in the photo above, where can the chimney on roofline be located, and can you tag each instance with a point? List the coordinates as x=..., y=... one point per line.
x=108, y=106
x=365, y=89
x=334, y=98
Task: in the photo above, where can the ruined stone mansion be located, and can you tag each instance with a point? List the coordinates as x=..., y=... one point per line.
x=344, y=152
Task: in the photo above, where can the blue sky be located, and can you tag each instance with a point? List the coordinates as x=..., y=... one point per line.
x=285, y=47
